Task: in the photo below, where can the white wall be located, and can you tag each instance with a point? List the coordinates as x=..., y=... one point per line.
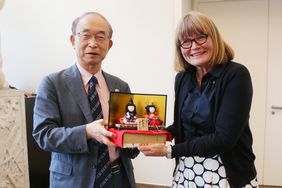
x=35, y=42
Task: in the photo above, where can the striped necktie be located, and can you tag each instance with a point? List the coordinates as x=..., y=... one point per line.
x=103, y=174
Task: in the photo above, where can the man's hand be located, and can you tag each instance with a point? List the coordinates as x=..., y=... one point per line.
x=97, y=131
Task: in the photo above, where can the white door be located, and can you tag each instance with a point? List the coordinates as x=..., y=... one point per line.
x=273, y=140
x=244, y=25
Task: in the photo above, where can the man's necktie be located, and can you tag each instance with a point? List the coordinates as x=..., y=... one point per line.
x=103, y=174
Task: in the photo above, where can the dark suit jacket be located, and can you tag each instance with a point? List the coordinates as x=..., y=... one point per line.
x=61, y=113
x=231, y=138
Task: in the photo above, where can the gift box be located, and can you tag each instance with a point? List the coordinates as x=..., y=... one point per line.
x=137, y=118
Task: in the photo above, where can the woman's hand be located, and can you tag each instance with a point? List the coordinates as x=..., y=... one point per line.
x=153, y=149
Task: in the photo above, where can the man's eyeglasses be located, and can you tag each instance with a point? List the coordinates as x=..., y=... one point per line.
x=86, y=36
x=201, y=39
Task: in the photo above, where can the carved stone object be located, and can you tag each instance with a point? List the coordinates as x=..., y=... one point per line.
x=13, y=142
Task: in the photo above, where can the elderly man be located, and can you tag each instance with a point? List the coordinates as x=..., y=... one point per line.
x=69, y=111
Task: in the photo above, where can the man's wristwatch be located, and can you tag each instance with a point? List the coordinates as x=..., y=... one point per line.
x=168, y=151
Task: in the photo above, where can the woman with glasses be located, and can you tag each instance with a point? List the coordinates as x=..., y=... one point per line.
x=213, y=96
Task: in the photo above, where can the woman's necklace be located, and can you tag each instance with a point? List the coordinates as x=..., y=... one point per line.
x=199, y=75
x=199, y=81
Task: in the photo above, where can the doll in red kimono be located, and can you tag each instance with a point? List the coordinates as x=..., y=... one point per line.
x=151, y=115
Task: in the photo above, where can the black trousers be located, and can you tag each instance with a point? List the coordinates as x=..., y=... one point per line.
x=120, y=179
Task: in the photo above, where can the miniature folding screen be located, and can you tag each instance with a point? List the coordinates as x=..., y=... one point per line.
x=118, y=102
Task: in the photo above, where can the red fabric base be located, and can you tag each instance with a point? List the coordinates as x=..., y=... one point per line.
x=118, y=140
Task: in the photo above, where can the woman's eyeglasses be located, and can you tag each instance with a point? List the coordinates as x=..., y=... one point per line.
x=201, y=39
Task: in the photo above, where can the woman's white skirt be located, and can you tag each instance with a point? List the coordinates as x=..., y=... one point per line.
x=196, y=172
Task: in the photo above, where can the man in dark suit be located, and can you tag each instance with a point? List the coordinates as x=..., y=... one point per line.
x=64, y=115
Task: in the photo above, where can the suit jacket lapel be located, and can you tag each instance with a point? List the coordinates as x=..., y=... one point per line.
x=112, y=85
x=74, y=83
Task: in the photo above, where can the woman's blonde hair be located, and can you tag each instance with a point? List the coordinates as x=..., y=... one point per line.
x=198, y=23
